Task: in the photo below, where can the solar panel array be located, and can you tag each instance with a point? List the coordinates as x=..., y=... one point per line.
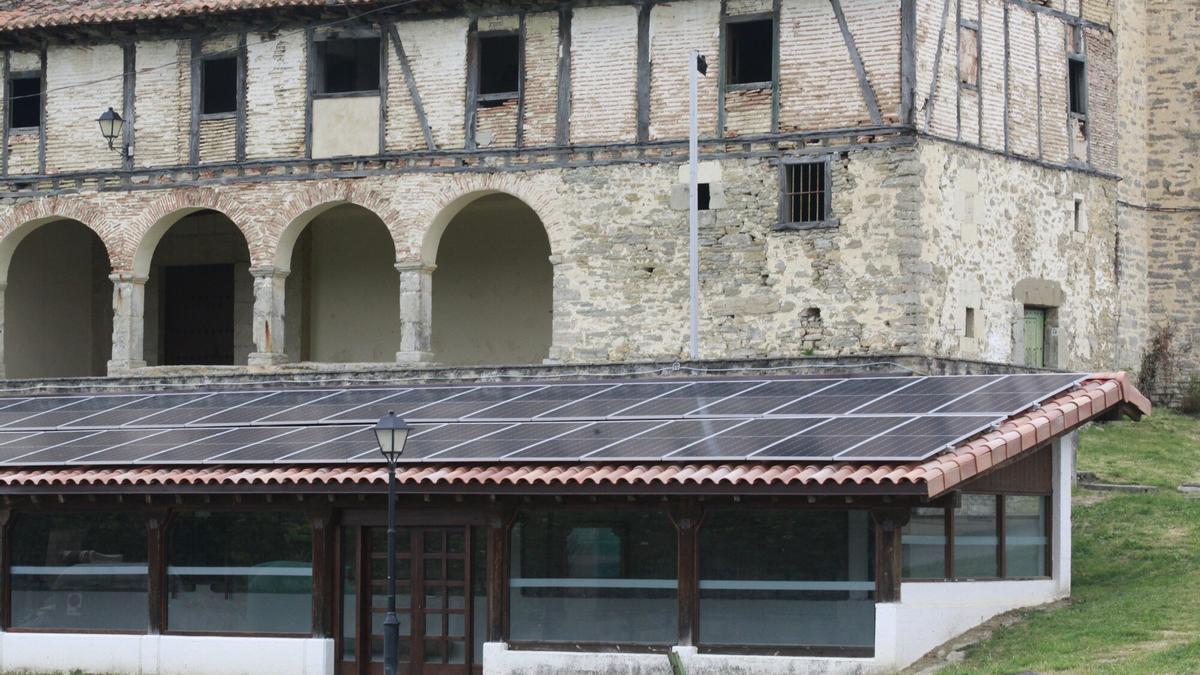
x=816, y=419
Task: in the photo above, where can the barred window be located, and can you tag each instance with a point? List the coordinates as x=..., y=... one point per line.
x=806, y=192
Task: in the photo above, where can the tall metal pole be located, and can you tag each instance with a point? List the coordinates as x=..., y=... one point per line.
x=693, y=209
x=391, y=624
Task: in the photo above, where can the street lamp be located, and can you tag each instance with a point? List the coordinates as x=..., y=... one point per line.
x=111, y=125
x=391, y=432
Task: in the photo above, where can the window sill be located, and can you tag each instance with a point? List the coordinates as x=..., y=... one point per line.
x=789, y=650
x=24, y=131
x=830, y=224
x=749, y=86
x=346, y=94
x=972, y=579
x=232, y=633
x=601, y=647
x=218, y=116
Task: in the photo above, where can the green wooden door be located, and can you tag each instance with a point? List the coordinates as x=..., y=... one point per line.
x=1035, y=337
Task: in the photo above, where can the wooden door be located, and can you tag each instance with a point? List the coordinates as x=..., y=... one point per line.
x=1035, y=337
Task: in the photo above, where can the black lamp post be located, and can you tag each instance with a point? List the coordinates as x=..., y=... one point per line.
x=391, y=432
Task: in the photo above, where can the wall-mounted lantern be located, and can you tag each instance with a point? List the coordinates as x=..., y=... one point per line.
x=111, y=126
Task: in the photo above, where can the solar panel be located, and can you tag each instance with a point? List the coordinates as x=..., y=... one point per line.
x=539, y=402
x=441, y=437
x=583, y=441
x=13, y=414
x=402, y=403
x=279, y=447
x=845, y=396
x=131, y=412
x=823, y=442
x=359, y=446
x=925, y=396
x=264, y=407
x=1012, y=394
x=744, y=440
x=203, y=449
x=314, y=412
x=507, y=440
x=609, y=401
x=920, y=438
x=70, y=413
x=198, y=409
x=85, y=445
x=663, y=440
x=682, y=401
x=38, y=442
x=469, y=402
x=151, y=445
x=759, y=400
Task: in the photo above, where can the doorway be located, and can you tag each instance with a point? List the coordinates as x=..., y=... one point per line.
x=198, y=315
x=437, y=599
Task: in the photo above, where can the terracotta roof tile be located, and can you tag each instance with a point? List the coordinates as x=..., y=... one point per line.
x=1019, y=434
x=26, y=14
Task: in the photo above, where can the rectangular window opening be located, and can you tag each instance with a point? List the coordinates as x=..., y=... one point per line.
x=1078, y=218
x=499, y=68
x=218, y=90
x=1078, y=85
x=969, y=328
x=25, y=102
x=703, y=196
x=968, y=56
x=347, y=65
x=748, y=52
x=807, y=192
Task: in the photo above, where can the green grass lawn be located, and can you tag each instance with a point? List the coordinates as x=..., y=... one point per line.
x=1135, y=604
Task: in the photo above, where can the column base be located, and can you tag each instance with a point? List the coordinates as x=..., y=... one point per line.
x=266, y=359
x=414, y=357
x=124, y=367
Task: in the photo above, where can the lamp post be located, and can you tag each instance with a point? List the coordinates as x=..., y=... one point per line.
x=697, y=65
x=391, y=432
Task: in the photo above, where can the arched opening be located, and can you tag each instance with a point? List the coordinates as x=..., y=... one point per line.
x=58, y=303
x=493, y=286
x=343, y=294
x=199, y=294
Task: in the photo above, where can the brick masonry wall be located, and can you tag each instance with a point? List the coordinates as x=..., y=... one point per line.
x=675, y=30
x=71, y=120
x=218, y=140
x=162, y=103
x=438, y=52
x=603, y=74
x=275, y=95
x=541, y=78
x=806, y=55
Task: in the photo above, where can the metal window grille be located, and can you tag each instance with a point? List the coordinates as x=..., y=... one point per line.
x=807, y=192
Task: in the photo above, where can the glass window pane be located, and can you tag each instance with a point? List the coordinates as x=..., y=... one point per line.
x=924, y=543
x=349, y=593
x=479, y=569
x=234, y=572
x=787, y=577
x=594, y=576
x=975, y=537
x=1025, y=536
x=79, y=571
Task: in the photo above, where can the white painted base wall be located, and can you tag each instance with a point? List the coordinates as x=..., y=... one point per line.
x=165, y=654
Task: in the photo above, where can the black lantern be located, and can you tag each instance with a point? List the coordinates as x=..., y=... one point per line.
x=111, y=126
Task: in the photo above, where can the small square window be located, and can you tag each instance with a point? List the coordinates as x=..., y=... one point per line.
x=748, y=52
x=1078, y=85
x=347, y=65
x=703, y=196
x=968, y=56
x=25, y=102
x=806, y=192
x=218, y=77
x=969, y=319
x=499, y=66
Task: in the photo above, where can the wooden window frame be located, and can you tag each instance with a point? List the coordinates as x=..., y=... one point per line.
x=240, y=75
x=316, y=72
x=786, y=222
x=725, y=55
x=477, y=65
x=8, y=102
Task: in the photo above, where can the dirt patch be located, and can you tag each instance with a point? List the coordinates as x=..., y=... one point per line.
x=955, y=650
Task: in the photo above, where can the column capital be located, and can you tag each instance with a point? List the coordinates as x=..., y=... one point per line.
x=415, y=266
x=127, y=277
x=269, y=272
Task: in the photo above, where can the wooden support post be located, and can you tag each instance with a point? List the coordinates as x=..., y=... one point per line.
x=5, y=570
x=562, y=113
x=687, y=518
x=156, y=550
x=864, y=83
x=888, y=552
x=194, y=123
x=499, y=521
x=320, y=522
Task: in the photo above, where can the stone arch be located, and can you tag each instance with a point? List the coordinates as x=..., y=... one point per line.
x=143, y=236
x=467, y=188
x=316, y=199
x=25, y=218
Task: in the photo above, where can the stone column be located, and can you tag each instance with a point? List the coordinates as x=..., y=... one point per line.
x=269, y=303
x=416, y=312
x=3, y=286
x=129, y=323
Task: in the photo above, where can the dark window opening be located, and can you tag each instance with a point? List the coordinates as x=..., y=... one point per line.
x=748, y=52
x=347, y=65
x=218, y=91
x=806, y=193
x=1080, y=224
x=25, y=104
x=969, y=321
x=1078, y=85
x=499, y=66
x=703, y=196
x=198, y=317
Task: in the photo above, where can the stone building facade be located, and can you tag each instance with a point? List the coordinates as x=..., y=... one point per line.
x=507, y=184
